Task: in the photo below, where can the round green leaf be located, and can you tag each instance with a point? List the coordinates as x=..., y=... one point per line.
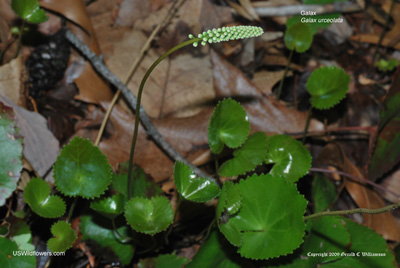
x=191, y=187
x=37, y=196
x=82, y=169
x=64, y=237
x=246, y=158
x=270, y=222
x=109, y=207
x=9, y=260
x=29, y=10
x=10, y=153
x=298, y=36
x=327, y=86
x=149, y=216
x=292, y=160
x=229, y=125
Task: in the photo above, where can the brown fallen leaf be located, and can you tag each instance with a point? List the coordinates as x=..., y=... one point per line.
x=41, y=148
x=264, y=111
x=384, y=224
x=12, y=80
x=392, y=37
x=92, y=87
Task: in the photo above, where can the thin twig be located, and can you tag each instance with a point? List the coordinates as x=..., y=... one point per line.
x=322, y=170
x=133, y=68
x=98, y=65
x=352, y=211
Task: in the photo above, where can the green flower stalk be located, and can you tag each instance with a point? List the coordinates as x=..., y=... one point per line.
x=226, y=34
x=210, y=36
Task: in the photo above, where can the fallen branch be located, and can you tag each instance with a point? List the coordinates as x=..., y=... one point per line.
x=98, y=65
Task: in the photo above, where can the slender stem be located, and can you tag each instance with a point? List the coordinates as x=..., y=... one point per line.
x=139, y=98
x=278, y=93
x=309, y=113
x=322, y=170
x=71, y=209
x=352, y=211
x=122, y=238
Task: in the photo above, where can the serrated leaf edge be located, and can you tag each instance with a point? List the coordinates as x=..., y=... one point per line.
x=53, y=236
x=74, y=195
x=143, y=198
x=302, y=238
x=248, y=130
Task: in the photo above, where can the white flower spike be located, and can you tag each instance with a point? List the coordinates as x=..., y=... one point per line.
x=227, y=34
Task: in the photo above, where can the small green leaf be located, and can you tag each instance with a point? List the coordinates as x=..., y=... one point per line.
x=292, y=160
x=64, y=237
x=246, y=158
x=99, y=230
x=228, y=125
x=323, y=193
x=149, y=216
x=327, y=86
x=109, y=207
x=142, y=184
x=29, y=10
x=9, y=260
x=387, y=65
x=191, y=187
x=82, y=169
x=37, y=196
x=218, y=253
x=298, y=36
x=10, y=153
x=270, y=220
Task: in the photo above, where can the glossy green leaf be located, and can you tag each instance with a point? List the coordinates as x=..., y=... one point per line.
x=109, y=207
x=323, y=193
x=387, y=65
x=164, y=261
x=298, y=36
x=10, y=153
x=216, y=252
x=64, y=237
x=327, y=86
x=142, y=184
x=327, y=235
x=20, y=232
x=149, y=216
x=246, y=158
x=229, y=125
x=386, y=154
x=365, y=242
x=290, y=158
x=269, y=222
x=82, y=169
x=97, y=229
x=29, y=10
x=192, y=188
x=9, y=260
x=37, y=196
